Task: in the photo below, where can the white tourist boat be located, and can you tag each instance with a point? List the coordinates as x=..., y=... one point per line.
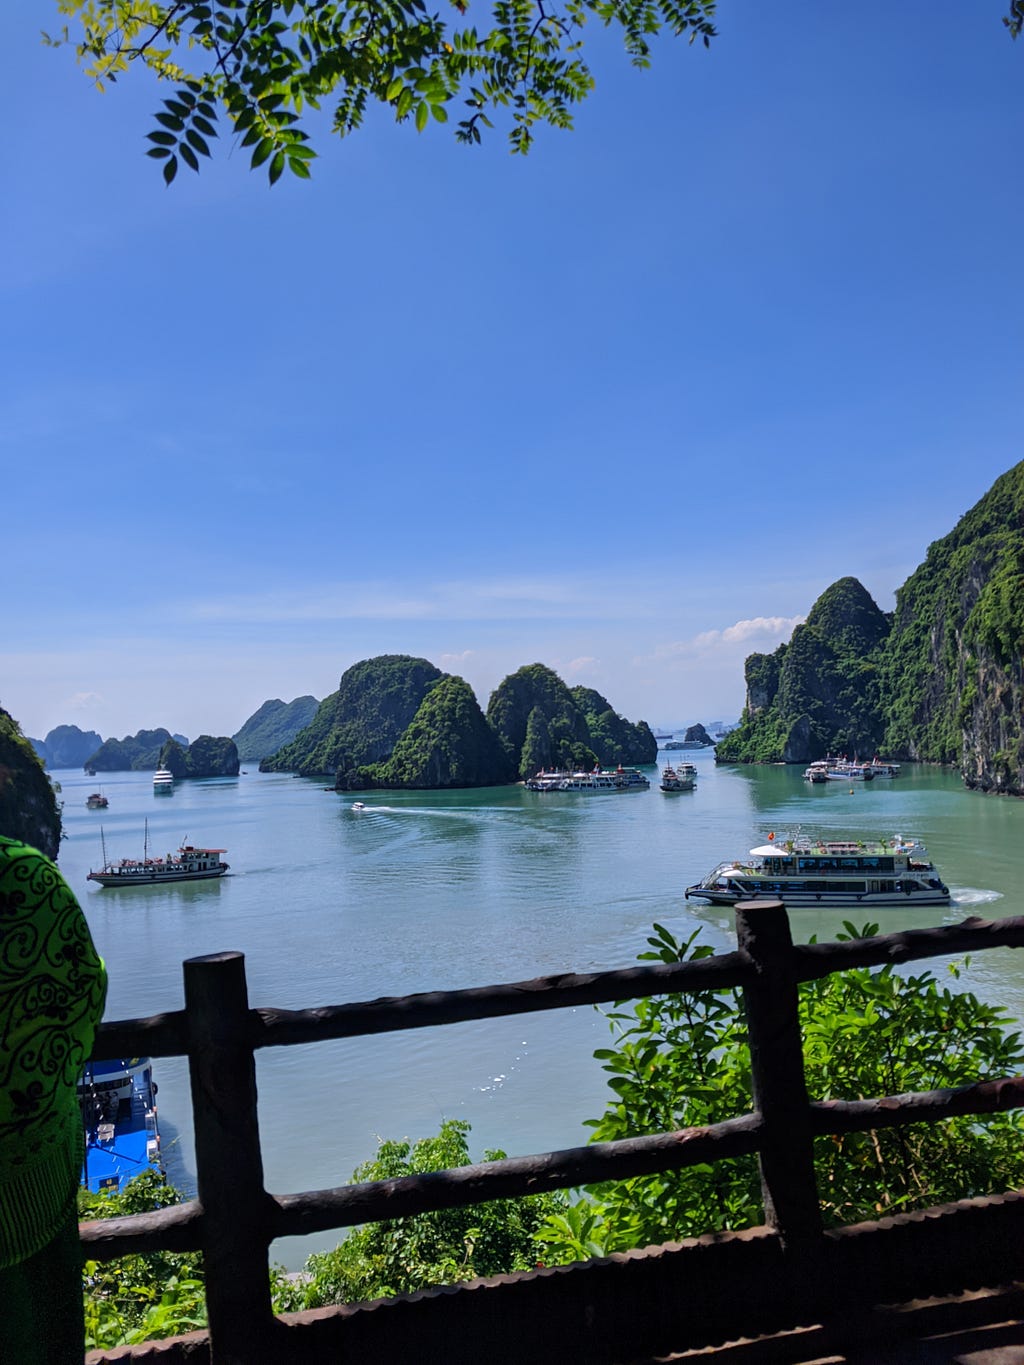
x=163, y=780
x=680, y=778
x=190, y=864
x=599, y=781
x=834, y=872
x=816, y=771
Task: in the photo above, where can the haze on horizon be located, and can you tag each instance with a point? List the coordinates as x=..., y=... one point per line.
x=625, y=407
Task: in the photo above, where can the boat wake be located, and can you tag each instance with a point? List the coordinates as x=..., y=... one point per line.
x=973, y=895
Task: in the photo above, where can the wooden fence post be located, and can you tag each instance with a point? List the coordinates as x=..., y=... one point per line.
x=229, y=1164
x=777, y=1072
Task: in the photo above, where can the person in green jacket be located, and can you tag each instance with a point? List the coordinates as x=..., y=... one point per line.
x=52, y=989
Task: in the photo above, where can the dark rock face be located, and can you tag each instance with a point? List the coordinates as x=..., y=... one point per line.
x=696, y=734
x=207, y=756
x=135, y=753
x=67, y=746
x=28, y=804
x=274, y=725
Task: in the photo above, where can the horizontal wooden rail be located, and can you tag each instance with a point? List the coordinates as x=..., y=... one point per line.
x=166, y=1034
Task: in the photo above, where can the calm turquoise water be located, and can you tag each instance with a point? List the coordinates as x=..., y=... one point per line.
x=433, y=891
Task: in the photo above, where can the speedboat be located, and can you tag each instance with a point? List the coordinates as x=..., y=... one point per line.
x=358, y=805
x=836, y=872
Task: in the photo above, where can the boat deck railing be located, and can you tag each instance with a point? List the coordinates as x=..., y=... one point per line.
x=789, y=1276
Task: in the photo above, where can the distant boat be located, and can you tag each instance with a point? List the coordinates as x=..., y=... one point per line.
x=358, y=805
x=163, y=781
x=90, y=772
x=681, y=778
x=96, y=801
x=689, y=744
x=118, y=1103
x=189, y=864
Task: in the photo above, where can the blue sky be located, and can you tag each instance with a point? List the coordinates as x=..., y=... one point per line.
x=625, y=406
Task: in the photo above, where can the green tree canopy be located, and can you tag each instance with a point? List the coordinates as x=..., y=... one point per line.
x=265, y=63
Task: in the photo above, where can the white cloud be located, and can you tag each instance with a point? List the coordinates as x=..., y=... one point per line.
x=765, y=628
x=83, y=701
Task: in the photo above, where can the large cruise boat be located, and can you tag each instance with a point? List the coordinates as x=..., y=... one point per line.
x=808, y=872
x=592, y=783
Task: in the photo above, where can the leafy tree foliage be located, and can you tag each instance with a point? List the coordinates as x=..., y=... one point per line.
x=160, y=1294
x=443, y=1247
x=683, y=1061
x=263, y=63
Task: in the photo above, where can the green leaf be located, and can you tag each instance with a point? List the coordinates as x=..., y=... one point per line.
x=422, y=115
x=170, y=170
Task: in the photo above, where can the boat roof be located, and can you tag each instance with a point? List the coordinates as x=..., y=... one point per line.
x=836, y=847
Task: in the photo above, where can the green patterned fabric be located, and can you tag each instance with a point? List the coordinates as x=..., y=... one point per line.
x=52, y=989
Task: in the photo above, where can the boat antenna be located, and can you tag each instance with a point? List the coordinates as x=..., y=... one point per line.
x=145, y=841
x=103, y=846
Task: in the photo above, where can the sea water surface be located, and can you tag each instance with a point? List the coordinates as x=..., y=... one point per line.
x=442, y=890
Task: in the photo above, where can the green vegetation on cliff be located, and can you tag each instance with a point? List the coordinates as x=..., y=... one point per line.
x=273, y=726
x=28, y=803
x=613, y=738
x=953, y=669
x=820, y=692
x=448, y=744
x=542, y=724
x=942, y=682
x=361, y=723
x=207, y=756
x=136, y=753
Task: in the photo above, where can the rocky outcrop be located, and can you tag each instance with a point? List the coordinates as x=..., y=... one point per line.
x=696, y=734
x=614, y=739
x=954, y=672
x=67, y=746
x=274, y=725
x=136, y=753
x=821, y=691
x=448, y=744
x=360, y=724
x=29, y=809
x=207, y=756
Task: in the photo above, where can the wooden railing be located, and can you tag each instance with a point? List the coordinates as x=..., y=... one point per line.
x=782, y=1277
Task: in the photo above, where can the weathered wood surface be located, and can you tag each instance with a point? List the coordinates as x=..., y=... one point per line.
x=771, y=1002
x=229, y=1163
x=635, y=1307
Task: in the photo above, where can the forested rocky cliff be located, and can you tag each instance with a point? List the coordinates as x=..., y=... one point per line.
x=136, y=753
x=29, y=809
x=398, y=721
x=941, y=680
x=274, y=725
x=207, y=756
